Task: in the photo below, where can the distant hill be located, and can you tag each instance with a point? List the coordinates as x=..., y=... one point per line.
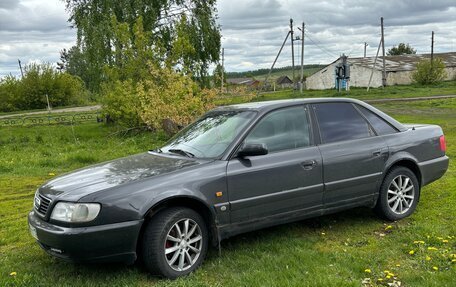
x=261, y=74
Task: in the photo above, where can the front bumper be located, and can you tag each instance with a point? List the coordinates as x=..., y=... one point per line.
x=433, y=169
x=111, y=242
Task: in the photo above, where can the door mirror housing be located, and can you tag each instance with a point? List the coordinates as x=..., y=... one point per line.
x=253, y=149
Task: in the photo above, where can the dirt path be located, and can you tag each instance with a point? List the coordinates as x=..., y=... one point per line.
x=409, y=99
x=66, y=110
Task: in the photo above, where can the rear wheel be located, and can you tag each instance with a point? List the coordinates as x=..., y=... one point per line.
x=399, y=194
x=175, y=242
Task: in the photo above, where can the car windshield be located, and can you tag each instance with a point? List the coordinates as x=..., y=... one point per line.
x=210, y=136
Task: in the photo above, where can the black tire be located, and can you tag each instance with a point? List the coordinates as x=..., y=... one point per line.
x=391, y=205
x=154, y=242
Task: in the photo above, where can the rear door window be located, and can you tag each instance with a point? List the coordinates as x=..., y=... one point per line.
x=379, y=124
x=340, y=122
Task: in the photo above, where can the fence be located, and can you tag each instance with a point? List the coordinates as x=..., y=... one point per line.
x=51, y=119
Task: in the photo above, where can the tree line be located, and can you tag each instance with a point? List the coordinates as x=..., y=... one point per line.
x=261, y=72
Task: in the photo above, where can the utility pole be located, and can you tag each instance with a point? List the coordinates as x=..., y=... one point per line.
x=223, y=68
x=432, y=50
x=20, y=67
x=365, y=46
x=273, y=64
x=292, y=49
x=48, y=105
x=302, y=56
x=373, y=66
x=383, y=53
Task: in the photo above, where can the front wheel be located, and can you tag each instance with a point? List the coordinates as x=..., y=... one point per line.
x=399, y=194
x=175, y=242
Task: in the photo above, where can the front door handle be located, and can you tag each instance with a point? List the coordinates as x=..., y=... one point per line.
x=309, y=164
x=377, y=153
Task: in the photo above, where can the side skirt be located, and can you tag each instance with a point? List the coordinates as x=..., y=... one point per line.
x=230, y=230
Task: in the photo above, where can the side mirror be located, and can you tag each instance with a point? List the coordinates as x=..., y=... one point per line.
x=252, y=149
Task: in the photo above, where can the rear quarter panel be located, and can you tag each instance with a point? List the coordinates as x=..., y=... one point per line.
x=419, y=144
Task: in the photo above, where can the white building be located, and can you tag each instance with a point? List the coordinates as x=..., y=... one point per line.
x=399, y=71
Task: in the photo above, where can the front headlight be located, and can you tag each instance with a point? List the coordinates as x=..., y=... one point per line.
x=75, y=212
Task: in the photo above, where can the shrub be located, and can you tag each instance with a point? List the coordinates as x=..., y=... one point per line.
x=426, y=73
x=29, y=92
x=163, y=94
x=9, y=88
x=173, y=96
x=121, y=103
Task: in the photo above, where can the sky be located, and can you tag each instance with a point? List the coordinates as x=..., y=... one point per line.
x=253, y=30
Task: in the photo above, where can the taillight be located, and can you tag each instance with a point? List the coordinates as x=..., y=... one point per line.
x=442, y=144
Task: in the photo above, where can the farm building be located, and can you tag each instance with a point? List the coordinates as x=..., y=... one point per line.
x=284, y=82
x=249, y=83
x=399, y=71
x=242, y=81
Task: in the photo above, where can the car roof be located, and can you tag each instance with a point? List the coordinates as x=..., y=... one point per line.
x=270, y=105
x=266, y=106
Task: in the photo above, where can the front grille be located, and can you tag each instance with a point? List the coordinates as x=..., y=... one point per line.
x=44, y=204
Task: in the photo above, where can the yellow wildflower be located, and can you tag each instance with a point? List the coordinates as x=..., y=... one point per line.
x=367, y=270
x=51, y=174
x=388, y=277
x=432, y=248
x=323, y=233
x=453, y=260
x=388, y=227
x=445, y=241
x=411, y=252
x=418, y=242
x=380, y=279
x=435, y=268
x=398, y=265
x=428, y=258
x=13, y=273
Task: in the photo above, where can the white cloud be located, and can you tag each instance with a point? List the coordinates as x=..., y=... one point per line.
x=36, y=30
x=333, y=27
x=33, y=31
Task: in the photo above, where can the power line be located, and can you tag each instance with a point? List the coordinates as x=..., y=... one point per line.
x=321, y=47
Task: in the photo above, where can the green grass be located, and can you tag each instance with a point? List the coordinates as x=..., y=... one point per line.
x=405, y=91
x=332, y=250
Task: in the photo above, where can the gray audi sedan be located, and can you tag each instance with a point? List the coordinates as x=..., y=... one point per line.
x=236, y=169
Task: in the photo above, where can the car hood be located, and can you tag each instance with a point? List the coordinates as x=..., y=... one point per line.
x=113, y=173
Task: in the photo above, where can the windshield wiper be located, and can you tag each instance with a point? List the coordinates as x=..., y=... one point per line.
x=181, y=152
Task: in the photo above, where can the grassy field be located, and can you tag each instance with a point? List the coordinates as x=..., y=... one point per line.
x=344, y=249
x=405, y=91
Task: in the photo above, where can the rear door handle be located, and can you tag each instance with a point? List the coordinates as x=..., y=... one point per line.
x=309, y=164
x=377, y=153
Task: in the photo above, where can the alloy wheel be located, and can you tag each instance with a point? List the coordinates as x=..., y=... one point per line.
x=183, y=244
x=401, y=194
